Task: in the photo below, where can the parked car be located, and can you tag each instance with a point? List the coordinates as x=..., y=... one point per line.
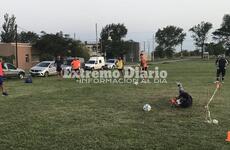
x=44, y=69
x=110, y=64
x=95, y=63
x=11, y=71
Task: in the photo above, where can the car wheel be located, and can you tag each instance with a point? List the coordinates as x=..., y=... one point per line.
x=46, y=74
x=21, y=75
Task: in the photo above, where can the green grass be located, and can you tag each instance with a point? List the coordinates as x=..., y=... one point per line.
x=53, y=114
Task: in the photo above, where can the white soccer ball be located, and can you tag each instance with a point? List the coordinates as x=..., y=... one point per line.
x=214, y=121
x=136, y=83
x=146, y=107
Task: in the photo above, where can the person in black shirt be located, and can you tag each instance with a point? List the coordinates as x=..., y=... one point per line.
x=221, y=64
x=59, y=63
x=184, y=99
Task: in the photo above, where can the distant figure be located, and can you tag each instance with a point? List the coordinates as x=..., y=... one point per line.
x=59, y=63
x=221, y=64
x=143, y=64
x=4, y=93
x=76, y=64
x=184, y=100
x=120, y=65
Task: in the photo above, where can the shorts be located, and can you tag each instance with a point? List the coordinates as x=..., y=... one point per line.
x=221, y=71
x=59, y=69
x=144, y=68
x=1, y=80
x=76, y=70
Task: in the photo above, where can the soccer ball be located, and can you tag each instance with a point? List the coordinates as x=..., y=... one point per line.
x=146, y=107
x=214, y=121
x=136, y=83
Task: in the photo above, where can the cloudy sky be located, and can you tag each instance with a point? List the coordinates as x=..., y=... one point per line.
x=141, y=17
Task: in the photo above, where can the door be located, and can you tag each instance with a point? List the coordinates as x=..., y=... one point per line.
x=52, y=69
x=5, y=70
x=11, y=70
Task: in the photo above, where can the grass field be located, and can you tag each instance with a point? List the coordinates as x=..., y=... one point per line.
x=52, y=114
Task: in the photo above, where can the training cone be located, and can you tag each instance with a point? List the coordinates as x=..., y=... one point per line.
x=228, y=137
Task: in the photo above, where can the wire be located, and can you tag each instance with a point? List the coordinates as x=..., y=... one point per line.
x=208, y=116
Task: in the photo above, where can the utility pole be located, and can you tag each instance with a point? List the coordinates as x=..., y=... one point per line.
x=144, y=45
x=96, y=40
x=153, y=57
x=16, y=44
x=148, y=50
x=74, y=36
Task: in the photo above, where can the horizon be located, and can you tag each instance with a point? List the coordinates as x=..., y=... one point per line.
x=79, y=17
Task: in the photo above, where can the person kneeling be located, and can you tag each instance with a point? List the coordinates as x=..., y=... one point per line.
x=184, y=99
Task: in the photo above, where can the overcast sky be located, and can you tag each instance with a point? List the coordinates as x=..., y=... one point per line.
x=141, y=17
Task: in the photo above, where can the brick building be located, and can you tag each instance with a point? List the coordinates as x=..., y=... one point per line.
x=27, y=56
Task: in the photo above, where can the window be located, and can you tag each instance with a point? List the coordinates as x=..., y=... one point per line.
x=11, y=67
x=4, y=66
x=100, y=61
x=27, y=58
x=52, y=65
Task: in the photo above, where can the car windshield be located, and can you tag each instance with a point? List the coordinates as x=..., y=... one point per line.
x=43, y=64
x=91, y=62
x=110, y=61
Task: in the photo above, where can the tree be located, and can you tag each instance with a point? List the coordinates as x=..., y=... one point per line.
x=51, y=45
x=181, y=40
x=200, y=33
x=28, y=37
x=215, y=48
x=9, y=29
x=111, y=39
x=168, y=38
x=223, y=33
x=159, y=52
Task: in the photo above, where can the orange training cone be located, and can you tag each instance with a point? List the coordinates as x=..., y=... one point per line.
x=228, y=137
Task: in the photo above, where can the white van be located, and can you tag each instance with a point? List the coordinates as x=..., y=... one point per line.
x=95, y=63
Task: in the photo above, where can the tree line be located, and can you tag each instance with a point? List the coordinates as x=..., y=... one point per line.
x=171, y=36
x=112, y=43
x=49, y=45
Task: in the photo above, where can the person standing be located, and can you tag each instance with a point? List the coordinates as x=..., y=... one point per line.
x=59, y=63
x=143, y=65
x=221, y=64
x=4, y=93
x=120, y=65
x=76, y=64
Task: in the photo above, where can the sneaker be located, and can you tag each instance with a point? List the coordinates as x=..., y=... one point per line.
x=4, y=94
x=222, y=82
x=216, y=81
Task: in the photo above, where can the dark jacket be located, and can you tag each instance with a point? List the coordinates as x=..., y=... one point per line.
x=221, y=63
x=185, y=99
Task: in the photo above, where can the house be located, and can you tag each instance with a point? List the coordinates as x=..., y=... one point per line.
x=94, y=49
x=26, y=55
